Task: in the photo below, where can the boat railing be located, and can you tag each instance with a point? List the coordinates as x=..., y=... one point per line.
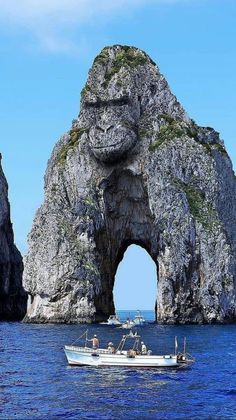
x=88, y=349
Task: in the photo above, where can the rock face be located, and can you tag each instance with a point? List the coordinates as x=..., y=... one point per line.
x=134, y=169
x=13, y=299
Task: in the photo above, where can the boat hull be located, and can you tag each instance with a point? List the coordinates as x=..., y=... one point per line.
x=88, y=357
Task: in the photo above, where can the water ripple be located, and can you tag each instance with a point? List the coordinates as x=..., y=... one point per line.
x=37, y=383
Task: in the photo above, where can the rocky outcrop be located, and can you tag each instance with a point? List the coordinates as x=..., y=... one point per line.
x=13, y=299
x=134, y=169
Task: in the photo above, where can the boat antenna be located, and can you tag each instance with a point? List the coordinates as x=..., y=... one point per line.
x=184, y=346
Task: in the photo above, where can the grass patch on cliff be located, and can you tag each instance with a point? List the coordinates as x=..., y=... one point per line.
x=75, y=134
x=127, y=57
x=102, y=57
x=54, y=188
x=196, y=201
x=220, y=148
x=177, y=128
x=88, y=89
x=173, y=129
x=91, y=267
x=201, y=210
x=210, y=147
x=144, y=132
x=90, y=201
x=228, y=283
x=145, y=127
x=67, y=229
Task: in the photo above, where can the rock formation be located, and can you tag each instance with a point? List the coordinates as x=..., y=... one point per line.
x=134, y=169
x=13, y=299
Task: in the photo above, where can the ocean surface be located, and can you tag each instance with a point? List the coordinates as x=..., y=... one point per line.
x=37, y=383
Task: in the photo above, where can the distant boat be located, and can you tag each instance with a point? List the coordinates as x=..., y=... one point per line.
x=112, y=320
x=128, y=324
x=139, y=319
x=131, y=357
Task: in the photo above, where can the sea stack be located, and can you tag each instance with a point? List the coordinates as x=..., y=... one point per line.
x=13, y=299
x=134, y=169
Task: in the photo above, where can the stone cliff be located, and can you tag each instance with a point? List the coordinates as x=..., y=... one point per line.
x=134, y=169
x=13, y=299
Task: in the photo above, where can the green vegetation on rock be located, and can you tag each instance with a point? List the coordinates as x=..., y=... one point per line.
x=75, y=134
x=196, y=201
x=90, y=207
x=176, y=128
x=173, y=129
x=210, y=147
x=69, y=233
x=219, y=147
x=67, y=228
x=89, y=201
x=89, y=266
x=54, y=188
x=227, y=282
x=144, y=132
x=127, y=57
x=88, y=89
x=201, y=210
x=168, y=118
x=102, y=57
x=145, y=127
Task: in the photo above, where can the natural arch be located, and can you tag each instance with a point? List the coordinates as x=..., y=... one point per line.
x=128, y=221
x=135, y=281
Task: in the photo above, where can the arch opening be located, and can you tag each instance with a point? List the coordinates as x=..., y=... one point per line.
x=135, y=285
x=129, y=222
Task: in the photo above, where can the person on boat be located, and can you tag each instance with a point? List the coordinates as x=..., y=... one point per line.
x=143, y=348
x=95, y=342
x=111, y=348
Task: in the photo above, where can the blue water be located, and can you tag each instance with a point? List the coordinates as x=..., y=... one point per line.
x=37, y=383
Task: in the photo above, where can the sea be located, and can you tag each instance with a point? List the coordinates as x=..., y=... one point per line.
x=37, y=383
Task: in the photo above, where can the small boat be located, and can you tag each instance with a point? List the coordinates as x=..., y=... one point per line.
x=139, y=319
x=128, y=324
x=112, y=320
x=136, y=322
x=133, y=356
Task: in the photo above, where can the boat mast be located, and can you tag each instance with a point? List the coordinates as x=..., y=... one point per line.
x=184, y=346
x=176, y=346
x=86, y=338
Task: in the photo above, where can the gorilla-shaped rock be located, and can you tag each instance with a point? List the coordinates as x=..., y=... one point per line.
x=134, y=169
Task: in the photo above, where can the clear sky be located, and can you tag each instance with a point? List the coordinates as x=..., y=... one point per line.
x=47, y=48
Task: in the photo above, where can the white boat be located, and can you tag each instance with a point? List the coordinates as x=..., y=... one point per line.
x=131, y=357
x=139, y=319
x=112, y=320
x=128, y=324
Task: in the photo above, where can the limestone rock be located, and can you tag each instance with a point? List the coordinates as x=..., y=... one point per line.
x=134, y=169
x=13, y=299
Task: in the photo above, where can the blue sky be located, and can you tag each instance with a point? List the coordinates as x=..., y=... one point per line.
x=47, y=48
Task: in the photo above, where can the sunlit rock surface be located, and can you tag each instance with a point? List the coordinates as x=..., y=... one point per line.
x=134, y=169
x=12, y=297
